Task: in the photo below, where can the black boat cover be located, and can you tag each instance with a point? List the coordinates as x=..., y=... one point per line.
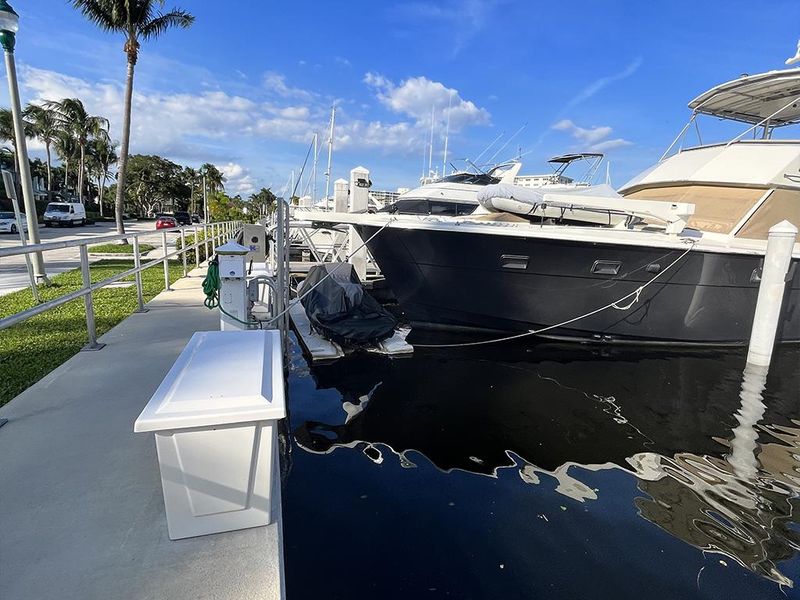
x=340, y=310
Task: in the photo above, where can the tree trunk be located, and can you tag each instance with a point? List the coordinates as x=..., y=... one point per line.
x=49, y=174
x=81, y=167
x=66, y=175
x=101, y=188
x=125, y=144
x=103, y=191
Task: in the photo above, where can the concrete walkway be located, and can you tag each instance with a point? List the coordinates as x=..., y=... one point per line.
x=81, y=508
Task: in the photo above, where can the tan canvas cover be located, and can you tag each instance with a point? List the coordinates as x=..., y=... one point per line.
x=717, y=208
x=781, y=204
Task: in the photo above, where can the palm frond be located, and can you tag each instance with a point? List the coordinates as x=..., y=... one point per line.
x=159, y=24
x=106, y=14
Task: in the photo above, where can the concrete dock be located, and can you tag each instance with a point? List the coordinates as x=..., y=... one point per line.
x=81, y=506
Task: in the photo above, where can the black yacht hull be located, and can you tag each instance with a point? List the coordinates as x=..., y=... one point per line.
x=504, y=283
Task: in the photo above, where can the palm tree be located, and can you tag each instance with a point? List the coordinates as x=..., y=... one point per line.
x=74, y=118
x=102, y=156
x=46, y=127
x=193, y=178
x=67, y=149
x=136, y=20
x=7, y=135
x=214, y=177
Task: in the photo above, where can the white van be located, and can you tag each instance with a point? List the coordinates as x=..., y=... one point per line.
x=64, y=213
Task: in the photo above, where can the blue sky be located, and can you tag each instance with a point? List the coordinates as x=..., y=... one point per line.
x=250, y=82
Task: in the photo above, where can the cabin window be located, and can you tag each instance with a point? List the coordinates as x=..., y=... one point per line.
x=717, y=209
x=443, y=209
x=780, y=205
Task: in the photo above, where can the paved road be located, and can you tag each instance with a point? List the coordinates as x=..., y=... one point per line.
x=13, y=274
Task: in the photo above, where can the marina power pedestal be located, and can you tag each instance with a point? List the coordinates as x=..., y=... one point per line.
x=255, y=238
x=216, y=434
x=233, y=300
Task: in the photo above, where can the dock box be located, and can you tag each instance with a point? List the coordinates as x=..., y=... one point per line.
x=214, y=417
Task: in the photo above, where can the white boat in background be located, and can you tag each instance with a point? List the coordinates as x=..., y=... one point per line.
x=457, y=194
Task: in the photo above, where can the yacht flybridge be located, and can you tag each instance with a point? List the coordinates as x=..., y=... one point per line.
x=674, y=257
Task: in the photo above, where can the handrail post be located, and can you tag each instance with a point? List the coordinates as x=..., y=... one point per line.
x=279, y=267
x=183, y=250
x=87, y=301
x=137, y=262
x=166, y=262
x=214, y=237
x=196, y=247
x=205, y=240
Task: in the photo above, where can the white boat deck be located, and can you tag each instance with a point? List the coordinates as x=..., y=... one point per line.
x=81, y=507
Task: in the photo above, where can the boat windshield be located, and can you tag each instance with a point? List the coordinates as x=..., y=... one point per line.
x=471, y=178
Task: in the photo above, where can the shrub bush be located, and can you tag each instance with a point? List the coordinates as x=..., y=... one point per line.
x=190, y=256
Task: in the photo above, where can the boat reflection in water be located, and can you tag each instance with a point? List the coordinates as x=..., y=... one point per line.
x=714, y=452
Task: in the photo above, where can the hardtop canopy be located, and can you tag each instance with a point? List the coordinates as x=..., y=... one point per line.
x=753, y=98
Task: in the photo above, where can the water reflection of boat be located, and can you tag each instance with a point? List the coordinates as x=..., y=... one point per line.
x=673, y=420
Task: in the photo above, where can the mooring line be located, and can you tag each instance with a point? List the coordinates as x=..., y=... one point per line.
x=615, y=305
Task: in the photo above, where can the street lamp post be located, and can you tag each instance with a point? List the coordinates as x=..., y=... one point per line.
x=9, y=25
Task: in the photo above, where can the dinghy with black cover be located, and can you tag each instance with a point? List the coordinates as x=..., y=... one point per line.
x=341, y=310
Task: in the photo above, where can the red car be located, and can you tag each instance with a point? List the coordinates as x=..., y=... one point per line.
x=166, y=222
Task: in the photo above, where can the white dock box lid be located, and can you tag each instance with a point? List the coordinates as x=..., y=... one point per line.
x=221, y=377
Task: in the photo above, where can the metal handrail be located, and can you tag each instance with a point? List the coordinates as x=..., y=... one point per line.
x=218, y=231
x=100, y=239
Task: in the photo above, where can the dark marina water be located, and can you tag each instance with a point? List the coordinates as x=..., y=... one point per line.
x=544, y=471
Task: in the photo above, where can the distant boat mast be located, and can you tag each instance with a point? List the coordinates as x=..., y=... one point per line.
x=314, y=171
x=446, y=136
x=430, y=148
x=330, y=156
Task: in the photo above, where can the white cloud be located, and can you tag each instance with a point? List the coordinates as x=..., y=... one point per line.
x=213, y=126
x=610, y=145
x=294, y=112
x=598, y=84
x=416, y=96
x=276, y=83
x=591, y=139
x=238, y=179
x=167, y=124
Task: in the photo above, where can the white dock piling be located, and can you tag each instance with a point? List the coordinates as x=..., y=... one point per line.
x=359, y=199
x=233, y=299
x=770, y=293
x=340, y=196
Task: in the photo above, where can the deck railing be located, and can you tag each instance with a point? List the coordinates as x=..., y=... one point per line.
x=213, y=233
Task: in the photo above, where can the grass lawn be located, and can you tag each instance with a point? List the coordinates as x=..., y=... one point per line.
x=33, y=348
x=120, y=248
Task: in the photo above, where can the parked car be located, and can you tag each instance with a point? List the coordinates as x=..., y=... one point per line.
x=8, y=222
x=166, y=222
x=183, y=217
x=195, y=218
x=64, y=213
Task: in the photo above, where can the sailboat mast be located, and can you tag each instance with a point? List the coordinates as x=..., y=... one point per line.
x=430, y=149
x=314, y=173
x=330, y=156
x=446, y=136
